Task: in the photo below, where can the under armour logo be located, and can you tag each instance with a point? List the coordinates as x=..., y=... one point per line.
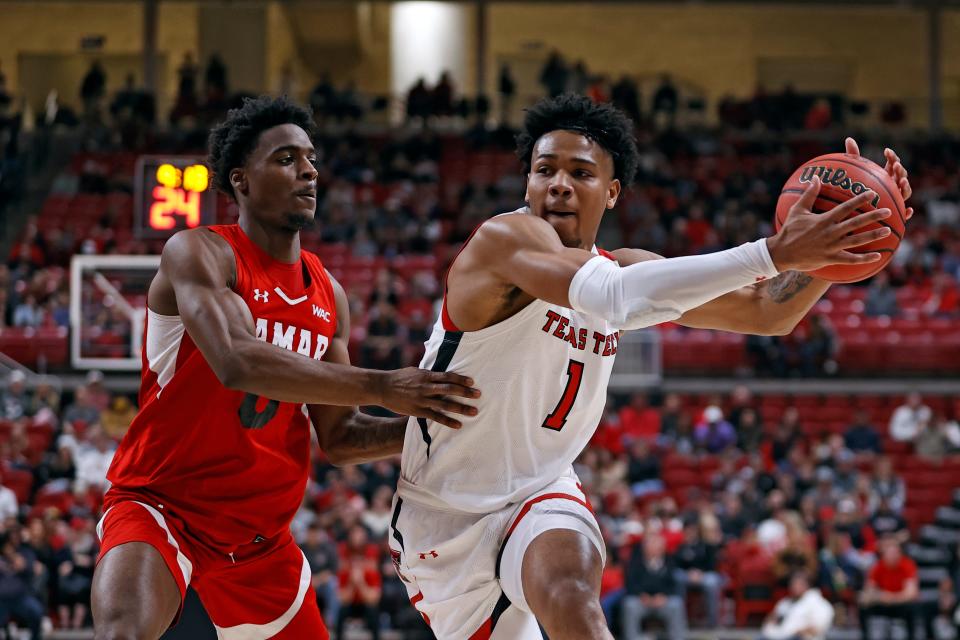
x=423, y=556
x=261, y=296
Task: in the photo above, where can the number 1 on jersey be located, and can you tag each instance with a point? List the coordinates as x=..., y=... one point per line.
x=558, y=417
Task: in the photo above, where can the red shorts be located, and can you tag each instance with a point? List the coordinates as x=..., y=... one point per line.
x=262, y=591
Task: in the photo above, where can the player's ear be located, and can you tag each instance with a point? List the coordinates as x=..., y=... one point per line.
x=238, y=180
x=526, y=188
x=613, y=192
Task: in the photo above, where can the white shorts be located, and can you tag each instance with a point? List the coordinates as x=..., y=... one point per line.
x=463, y=571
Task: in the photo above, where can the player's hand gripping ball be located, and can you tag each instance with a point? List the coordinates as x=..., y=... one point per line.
x=844, y=176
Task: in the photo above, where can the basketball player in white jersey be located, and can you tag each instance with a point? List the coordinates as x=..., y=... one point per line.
x=490, y=531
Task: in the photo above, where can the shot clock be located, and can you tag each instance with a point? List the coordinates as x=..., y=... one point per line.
x=172, y=193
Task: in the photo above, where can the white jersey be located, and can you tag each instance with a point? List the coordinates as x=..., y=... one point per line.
x=543, y=375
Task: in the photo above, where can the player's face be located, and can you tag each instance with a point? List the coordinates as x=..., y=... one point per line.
x=570, y=185
x=279, y=179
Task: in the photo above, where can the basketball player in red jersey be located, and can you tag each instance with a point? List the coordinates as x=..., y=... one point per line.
x=491, y=531
x=243, y=329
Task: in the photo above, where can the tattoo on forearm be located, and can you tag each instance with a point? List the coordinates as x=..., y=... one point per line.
x=786, y=285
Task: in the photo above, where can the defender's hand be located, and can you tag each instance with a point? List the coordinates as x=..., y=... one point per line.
x=426, y=394
x=894, y=167
x=809, y=241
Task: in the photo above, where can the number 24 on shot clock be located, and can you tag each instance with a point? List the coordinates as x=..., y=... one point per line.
x=172, y=193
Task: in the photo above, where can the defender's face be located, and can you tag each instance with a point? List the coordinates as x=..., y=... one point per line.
x=570, y=185
x=279, y=180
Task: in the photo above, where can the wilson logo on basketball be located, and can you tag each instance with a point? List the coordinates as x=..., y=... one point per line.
x=836, y=178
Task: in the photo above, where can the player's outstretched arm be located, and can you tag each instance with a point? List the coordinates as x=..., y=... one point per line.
x=526, y=252
x=193, y=281
x=346, y=435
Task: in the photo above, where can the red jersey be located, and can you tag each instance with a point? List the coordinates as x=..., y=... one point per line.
x=231, y=465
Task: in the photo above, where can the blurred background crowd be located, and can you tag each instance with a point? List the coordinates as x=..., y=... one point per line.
x=714, y=505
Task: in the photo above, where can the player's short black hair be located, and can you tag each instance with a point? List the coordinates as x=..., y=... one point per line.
x=232, y=140
x=603, y=123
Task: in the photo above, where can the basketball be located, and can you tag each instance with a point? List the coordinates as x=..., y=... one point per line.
x=844, y=176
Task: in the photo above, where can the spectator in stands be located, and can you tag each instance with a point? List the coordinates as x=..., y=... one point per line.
x=116, y=418
x=82, y=410
x=741, y=399
x=93, y=460
x=749, y=431
x=666, y=100
x=75, y=564
x=798, y=553
x=554, y=75
x=886, y=485
x=625, y=95
x=14, y=400
x=57, y=470
x=9, y=507
x=818, y=349
x=17, y=599
x=881, y=297
x=98, y=394
x=938, y=437
x=507, y=88
x=786, y=435
x=670, y=415
x=651, y=590
x=215, y=77
x=862, y=437
x=819, y=117
x=28, y=313
x=891, y=591
x=638, y=419
x=611, y=471
x=419, y=101
x=824, y=494
x=443, y=96
x=848, y=520
x=886, y=522
x=376, y=518
x=381, y=349
x=804, y=614
x=360, y=583
x=321, y=554
x=732, y=519
x=908, y=419
x=714, y=434
x=46, y=398
x=841, y=567
x=93, y=88
x=944, y=297
x=186, y=100
x=696, y=562
x=643, y=470
x=845, y=474
x=768, y=355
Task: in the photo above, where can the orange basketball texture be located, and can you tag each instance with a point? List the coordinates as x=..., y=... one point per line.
x=844, y=176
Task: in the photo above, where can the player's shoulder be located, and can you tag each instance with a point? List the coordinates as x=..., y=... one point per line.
x=339, y=293
x=189, y=242
x=509, y=231
x=198, y=248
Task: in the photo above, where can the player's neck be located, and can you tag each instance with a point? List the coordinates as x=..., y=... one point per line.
x=282, y=246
